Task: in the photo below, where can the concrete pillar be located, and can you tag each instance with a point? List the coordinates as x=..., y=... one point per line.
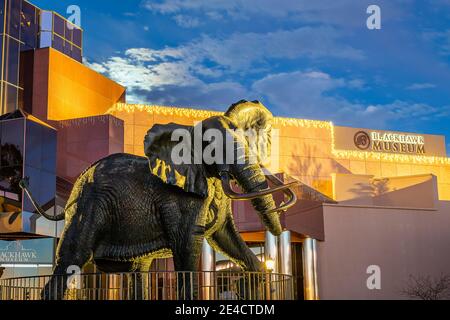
x=310, y=269
x=209, y=265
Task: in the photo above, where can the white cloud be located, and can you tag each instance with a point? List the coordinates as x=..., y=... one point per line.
x=186, y=21
x=168, y=76
x=137, y=76
x=440, y=39
x=371, y=109
x=311, y=95
x=241, y=50
x=95, y=66
x=150, y=55
x=421, y=86
x=343, y=12
x=155, y=76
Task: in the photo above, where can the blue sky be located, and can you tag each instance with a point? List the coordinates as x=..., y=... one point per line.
x=307, y=59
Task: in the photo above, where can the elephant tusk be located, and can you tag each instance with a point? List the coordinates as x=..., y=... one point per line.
x=280, y=186
x=292, y=200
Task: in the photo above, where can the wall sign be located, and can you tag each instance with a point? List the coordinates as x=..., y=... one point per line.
x=26, y=251
x=390, y=142
x=367, y=140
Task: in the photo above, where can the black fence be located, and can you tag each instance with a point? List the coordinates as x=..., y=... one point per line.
x=217, y=285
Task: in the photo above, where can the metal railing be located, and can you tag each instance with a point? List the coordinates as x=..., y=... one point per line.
x=153, y=285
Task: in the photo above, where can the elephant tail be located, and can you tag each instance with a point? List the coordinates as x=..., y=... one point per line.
x=24, y=185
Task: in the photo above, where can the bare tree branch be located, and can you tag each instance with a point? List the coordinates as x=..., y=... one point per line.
x=428, y=288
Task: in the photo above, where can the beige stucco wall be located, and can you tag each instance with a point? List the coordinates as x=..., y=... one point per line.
x=306, y=148
x=400, y=242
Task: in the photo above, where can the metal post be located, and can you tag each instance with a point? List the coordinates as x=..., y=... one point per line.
x=285, y=264
x=285, y=253
x=268, y=285
x=310, y=269
x=208, y=266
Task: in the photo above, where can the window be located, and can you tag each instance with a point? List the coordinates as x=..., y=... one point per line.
x=69, y=31
x=77, y=37
x=58, y=43
x=29, y=27
x=11, y=156
x=10, y=98
x=58, y=25
x=40, y=154
x=11, y=74
x=13, y=18
x=76, y=54
x=45, y=39
x=46, y=21
x=67, y=48
x=2, y=14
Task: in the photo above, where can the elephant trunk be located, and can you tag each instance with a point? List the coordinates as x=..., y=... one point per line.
x=24, y=186
x=252, y=179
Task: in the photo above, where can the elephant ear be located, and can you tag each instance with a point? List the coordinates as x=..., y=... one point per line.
x=158, y=147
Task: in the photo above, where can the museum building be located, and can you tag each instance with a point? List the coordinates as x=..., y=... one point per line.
x=388, y=213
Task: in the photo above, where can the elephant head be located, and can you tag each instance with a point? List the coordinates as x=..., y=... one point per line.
x=228, y=147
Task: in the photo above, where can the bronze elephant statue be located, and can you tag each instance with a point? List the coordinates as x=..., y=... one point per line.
x=126, y=210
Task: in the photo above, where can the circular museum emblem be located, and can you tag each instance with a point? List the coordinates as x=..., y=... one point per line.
x=362, y=140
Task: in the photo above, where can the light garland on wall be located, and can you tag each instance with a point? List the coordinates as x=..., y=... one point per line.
x=198, y=113
x=302, y=123
x=288, y=122
x=163, y=110
x=388, y=157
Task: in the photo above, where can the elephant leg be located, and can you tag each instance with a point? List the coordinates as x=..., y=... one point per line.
x=74, y=251
x=186, y=256
x=139, y=280
x=146, y=279
x=185, y=238
x=228, y=241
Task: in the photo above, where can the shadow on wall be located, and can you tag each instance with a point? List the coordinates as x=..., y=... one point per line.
x=414, y=191
x=312, y=170
x=373, y=188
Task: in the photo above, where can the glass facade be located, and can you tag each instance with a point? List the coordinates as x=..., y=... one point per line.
x=24, y=27
x=28, y=149
x=58, y=33
x=11, y=163
x=40, y=165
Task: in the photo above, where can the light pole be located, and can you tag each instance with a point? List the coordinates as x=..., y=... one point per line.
x=270, y=265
